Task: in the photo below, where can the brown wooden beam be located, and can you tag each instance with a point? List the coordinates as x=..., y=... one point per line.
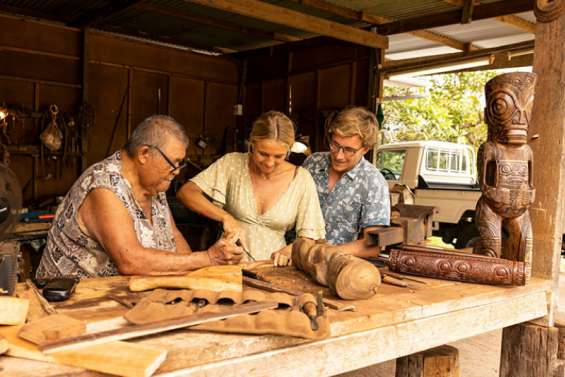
x=284, y=16
x=468, y=8
x=548, y=122
x=482, y=11
x=224, y=25
x=510, y=19
x=518, y=22
x=351, y=14
x=442, y=39
x=529, y=351
x=399, y=66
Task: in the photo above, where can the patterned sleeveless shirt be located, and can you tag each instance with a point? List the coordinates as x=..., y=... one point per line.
x=70, y=252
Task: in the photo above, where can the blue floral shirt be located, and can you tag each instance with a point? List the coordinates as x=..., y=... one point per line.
x=359, y=199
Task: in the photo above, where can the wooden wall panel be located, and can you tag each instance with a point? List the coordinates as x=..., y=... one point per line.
x=317, y=56
x=187, y=107
x=109, y=48
x=274, y=95
x=147, y=87
x=334, y=87
x=362, y=81
x=267, y=67
x=107, y=87
x=21, y=93
x=38, y=36
x=253, y=100
x=220, y=99
x=39, y=67
x=15, y=91
x=303, y=91
x=66, y=98
x=323, y=74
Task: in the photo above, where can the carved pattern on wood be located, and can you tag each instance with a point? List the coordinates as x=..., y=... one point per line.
x=505, y=169
x=458, y=267
x=549, y=10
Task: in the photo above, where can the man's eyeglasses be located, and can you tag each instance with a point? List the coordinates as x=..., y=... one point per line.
x=347, y=151
x=174, y=167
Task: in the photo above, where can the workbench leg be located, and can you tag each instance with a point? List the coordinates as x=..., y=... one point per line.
x=529, y=350
x=436, y=362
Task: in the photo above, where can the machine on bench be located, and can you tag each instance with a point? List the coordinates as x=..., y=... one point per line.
x=10, y=203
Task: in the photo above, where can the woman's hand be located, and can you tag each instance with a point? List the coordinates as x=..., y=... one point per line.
x=232, y=227
x=225, y=251
x=282, y=257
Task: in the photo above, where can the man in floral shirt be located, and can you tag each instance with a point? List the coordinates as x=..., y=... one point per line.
x=353, y=194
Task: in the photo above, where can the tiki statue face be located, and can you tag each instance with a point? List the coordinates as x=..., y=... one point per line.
x=509, y=100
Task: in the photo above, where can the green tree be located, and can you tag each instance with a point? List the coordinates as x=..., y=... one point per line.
x=451, y=109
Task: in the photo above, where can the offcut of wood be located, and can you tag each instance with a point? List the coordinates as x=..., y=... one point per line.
x=3, y=345
x=135, y=331
x=51, y=328
x=118, y=358
x=215, y=278
x=13, y=310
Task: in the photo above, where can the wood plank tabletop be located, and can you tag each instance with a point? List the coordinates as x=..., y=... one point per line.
x=395, y=322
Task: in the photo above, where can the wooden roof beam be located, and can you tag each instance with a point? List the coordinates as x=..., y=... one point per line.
x=351, y=14
x=481, y=11
x=297, y=20
x=220, y=24
x=510, y=19
x=468, y=8
x=518, y=22
x=398, y=66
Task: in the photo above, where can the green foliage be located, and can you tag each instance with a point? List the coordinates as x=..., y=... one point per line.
x=452, y=110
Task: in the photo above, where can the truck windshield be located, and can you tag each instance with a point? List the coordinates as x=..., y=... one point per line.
x=391, y=162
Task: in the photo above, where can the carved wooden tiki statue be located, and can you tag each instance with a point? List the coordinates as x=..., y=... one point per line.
x=504, y=166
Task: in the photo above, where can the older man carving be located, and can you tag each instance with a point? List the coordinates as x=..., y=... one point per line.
x=115, y=218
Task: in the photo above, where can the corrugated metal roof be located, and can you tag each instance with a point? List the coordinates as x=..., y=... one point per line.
x=188, y=24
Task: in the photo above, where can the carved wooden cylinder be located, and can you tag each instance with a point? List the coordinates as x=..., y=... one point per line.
x=348, y=277
x=458, y=267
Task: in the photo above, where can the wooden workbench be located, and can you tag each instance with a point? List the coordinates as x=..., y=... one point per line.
x=395, y=323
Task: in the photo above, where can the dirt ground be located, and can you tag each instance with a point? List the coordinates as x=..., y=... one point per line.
x=478, y=356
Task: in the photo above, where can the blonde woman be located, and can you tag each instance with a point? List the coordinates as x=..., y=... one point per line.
x=259, y=195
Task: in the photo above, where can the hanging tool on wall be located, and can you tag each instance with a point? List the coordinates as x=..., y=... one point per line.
x=52, y=139
x=10, y=204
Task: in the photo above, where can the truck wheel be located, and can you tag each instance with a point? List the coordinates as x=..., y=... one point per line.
x=468, y=236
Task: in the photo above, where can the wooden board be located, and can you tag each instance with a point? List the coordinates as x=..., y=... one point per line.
x=13, y=310
x=136, y=331
x=119, y=358
x=3, y=345
x=215, y=278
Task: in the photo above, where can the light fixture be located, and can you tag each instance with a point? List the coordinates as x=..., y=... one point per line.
x=3, y=112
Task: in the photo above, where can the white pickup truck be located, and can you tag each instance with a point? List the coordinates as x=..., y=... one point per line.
x=438, y=174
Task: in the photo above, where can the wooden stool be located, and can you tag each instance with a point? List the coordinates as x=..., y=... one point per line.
x=436, y=362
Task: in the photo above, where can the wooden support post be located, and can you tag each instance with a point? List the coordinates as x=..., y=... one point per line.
x=84, y=132
x=376, y=87
x=548, y=124
x=437, y=362
x=529, y=350
x=559, y=370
